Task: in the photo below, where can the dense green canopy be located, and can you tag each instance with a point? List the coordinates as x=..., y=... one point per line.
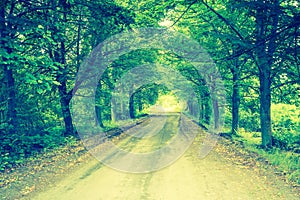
x=253, y=44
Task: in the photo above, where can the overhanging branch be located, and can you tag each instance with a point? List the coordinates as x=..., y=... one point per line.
x=184, y=12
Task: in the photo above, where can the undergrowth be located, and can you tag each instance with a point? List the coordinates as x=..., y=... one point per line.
x=286, y=162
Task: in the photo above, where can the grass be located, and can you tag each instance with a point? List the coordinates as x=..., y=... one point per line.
x=286, y=162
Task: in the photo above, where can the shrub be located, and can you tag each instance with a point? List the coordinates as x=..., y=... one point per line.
x=17, y=147
x=286, y=126
x=250, y=121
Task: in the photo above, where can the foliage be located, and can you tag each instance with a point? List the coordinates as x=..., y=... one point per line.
x=254, y=45
x=286, y=125
x=14, y=150
x=287, y=163
x=42, y=45
x=249, y=120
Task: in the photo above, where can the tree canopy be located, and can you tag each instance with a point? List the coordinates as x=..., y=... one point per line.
x=254, y=45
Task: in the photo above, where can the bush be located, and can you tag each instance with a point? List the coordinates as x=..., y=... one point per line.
x=250, y=121
x=16, y=148
x=286, y=126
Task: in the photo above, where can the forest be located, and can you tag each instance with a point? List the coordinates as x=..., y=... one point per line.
x=254, y=45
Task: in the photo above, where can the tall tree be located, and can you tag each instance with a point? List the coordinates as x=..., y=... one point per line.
x=7, y=35
x=266, y=16
x=255, y=30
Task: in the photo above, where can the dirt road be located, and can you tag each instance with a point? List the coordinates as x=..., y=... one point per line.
x=188, y=178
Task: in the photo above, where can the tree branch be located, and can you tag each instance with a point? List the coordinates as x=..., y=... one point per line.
x=224, y=20
x=286, y=83
x=184, y=12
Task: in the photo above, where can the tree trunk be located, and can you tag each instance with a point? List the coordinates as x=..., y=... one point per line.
x=265, y=59
x=235, y=102
x=65, y=99
x=206, y=110
x=131, y=107
x=140, y=105
x=189, y=107
x=98, y=111
x=265, y=102
x=113, y=110
x=65, y=96
x=11, y=98
x=216, y=113
x=265, y=108
x=8, y=72
x=98, y=107
x=201, y=111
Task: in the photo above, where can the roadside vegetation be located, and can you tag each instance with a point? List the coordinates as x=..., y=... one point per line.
x=254, y=46
x=285, y=153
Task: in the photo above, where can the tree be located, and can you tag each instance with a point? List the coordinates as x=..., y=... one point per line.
x=7, y=36
x=253, y=31
x=67, y=48
x=271, y=23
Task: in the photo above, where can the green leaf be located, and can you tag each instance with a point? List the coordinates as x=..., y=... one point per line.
x=29, y=78
x=56, y=83
x=40, y=26
x=40, y=91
